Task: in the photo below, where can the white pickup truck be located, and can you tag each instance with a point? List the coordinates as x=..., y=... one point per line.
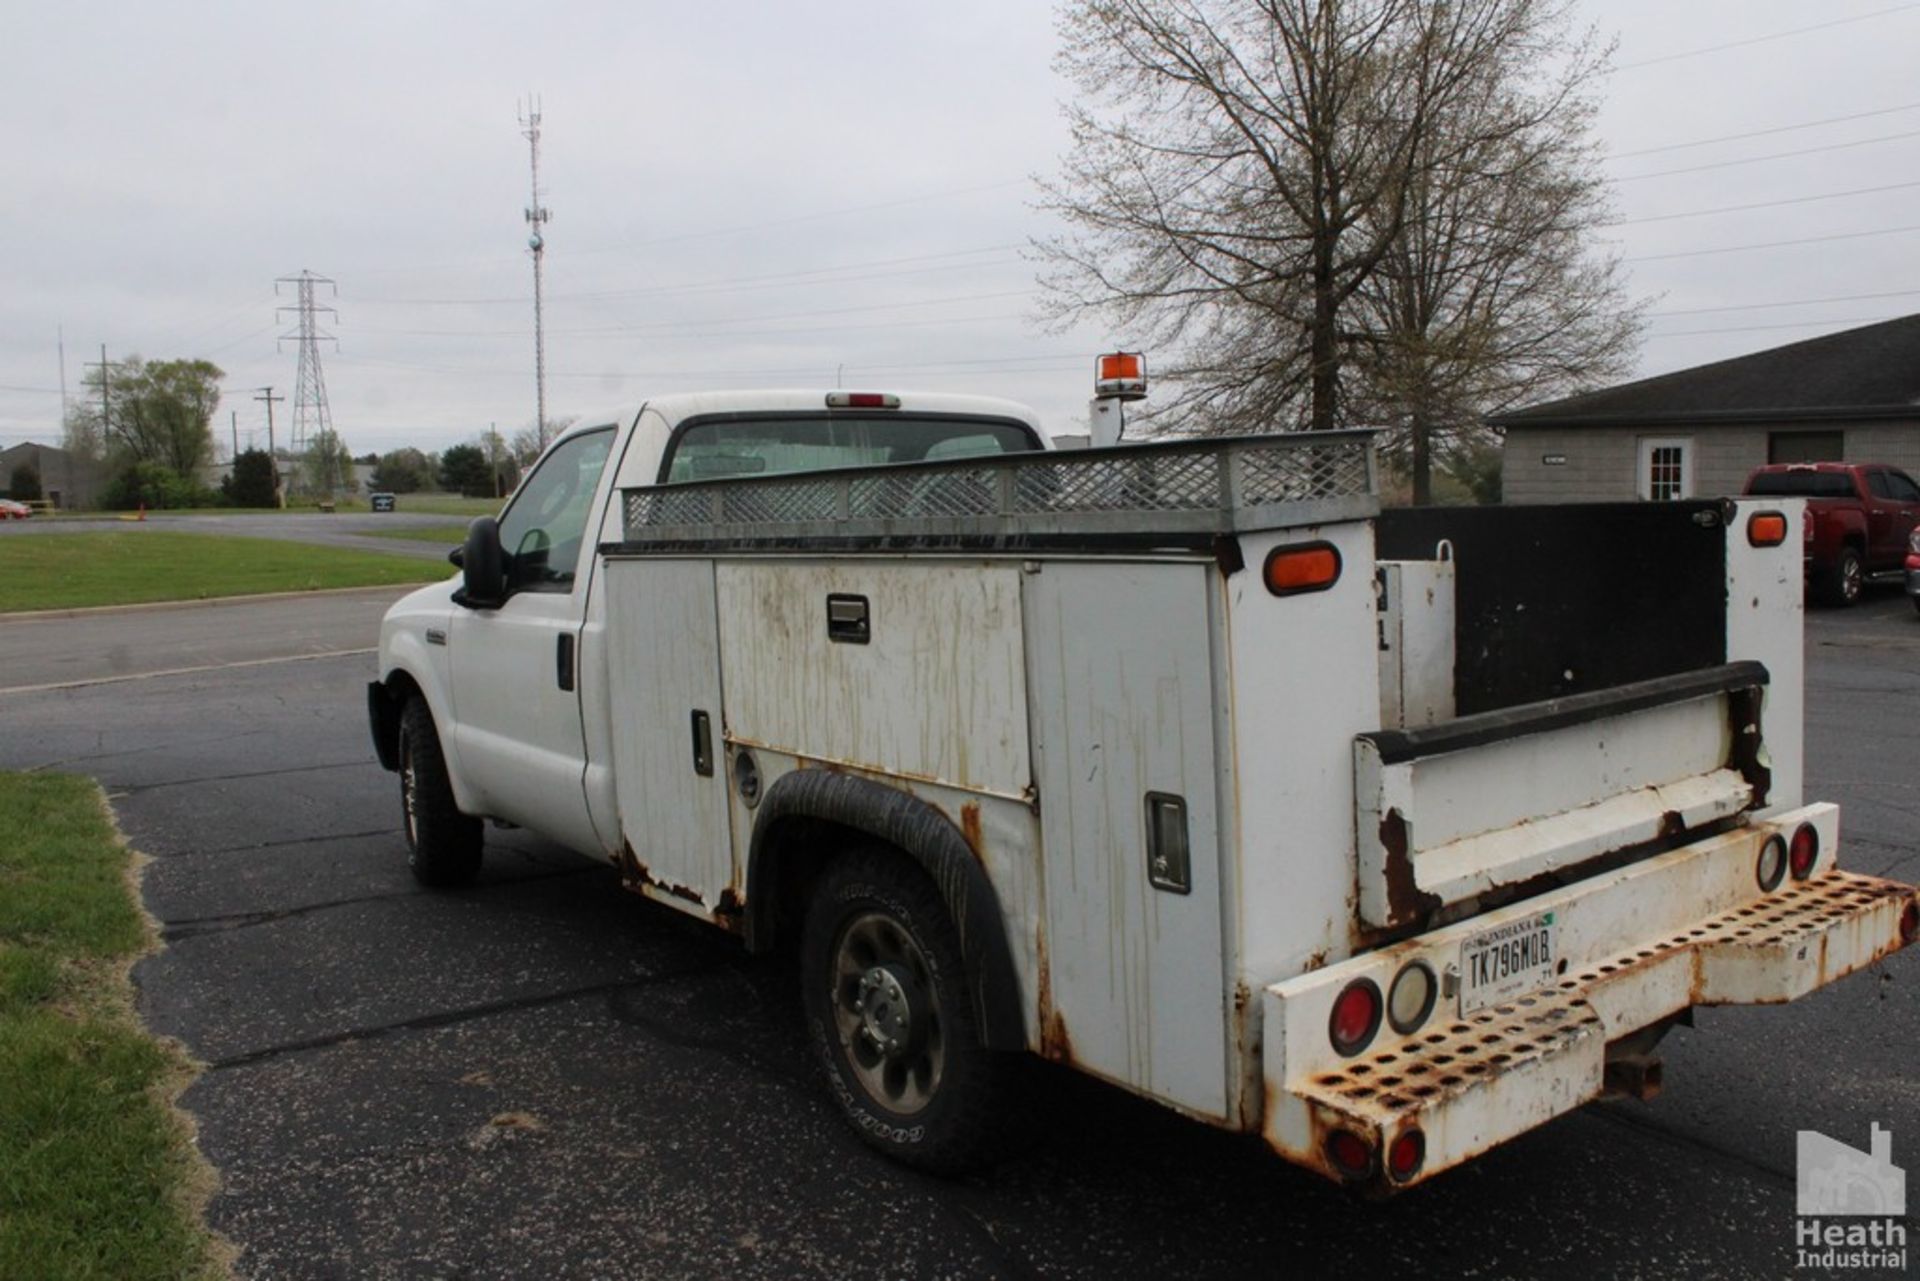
x=1388, y=836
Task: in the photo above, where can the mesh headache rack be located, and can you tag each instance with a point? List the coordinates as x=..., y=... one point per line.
x=1187, y=488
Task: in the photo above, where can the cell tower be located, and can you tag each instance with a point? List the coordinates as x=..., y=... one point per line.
x=537, y=217
x=312, y=420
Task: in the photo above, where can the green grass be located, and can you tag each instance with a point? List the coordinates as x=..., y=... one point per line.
x=70, y=571
x=451, y=535
x=446, y=505
x=97, y=1176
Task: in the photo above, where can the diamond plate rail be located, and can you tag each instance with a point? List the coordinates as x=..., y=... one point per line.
x=1215, y=486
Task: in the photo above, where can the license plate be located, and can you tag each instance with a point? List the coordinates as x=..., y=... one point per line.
x=1499, y=964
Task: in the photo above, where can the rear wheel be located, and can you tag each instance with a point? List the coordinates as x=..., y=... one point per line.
x=443, y=845
x=1843, y=583
x=888, y=1014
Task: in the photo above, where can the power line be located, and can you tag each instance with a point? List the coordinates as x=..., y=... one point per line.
x=1774, y=244
x=1788, y=302
x=810, y=275
x=676, y=326
x=1764, y=204
x=993, y=364
x=1778, y=35
x=802, y=218
x=1755, y=329
x=1778, y=155
x=1762, y=133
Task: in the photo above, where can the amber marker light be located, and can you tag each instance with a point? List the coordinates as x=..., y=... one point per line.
x=1301, y=567
x=1766, y=529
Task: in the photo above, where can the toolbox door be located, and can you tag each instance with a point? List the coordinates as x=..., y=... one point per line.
x=669, y=760
x=1132, y=985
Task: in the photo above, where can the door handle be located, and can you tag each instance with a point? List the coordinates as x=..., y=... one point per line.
x=702, y=744
x=563, y=662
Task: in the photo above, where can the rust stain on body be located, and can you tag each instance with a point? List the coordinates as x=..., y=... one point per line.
x=635, y=876
x=970, y=828
x=1405, y=900
x=1055, y=1044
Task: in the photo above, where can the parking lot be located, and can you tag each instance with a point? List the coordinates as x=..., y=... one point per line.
x=545, y=1076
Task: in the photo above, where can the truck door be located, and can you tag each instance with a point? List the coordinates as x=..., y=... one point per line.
x=515, y=687
x=1896, y=508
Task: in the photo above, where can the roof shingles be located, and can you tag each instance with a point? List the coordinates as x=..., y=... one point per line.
x=1870, y=372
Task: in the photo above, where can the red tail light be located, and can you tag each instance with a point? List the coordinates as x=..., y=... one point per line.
x=1356, y=1016
x=1804, y=852
x=1349, y=1154
x=1406, y=1155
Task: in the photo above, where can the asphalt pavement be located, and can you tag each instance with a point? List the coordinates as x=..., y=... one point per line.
x=545, y=1076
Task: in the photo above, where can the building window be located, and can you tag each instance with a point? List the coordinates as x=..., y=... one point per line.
x=1806, y=446
x=1666, y=469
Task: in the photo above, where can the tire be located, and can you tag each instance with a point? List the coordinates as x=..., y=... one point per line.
x=443, y=845
x=887, y=1011
x=1842, y=584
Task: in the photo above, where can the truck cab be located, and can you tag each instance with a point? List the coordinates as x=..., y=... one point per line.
x=513, y=673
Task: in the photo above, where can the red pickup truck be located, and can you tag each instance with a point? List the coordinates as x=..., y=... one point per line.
x=1859, y=517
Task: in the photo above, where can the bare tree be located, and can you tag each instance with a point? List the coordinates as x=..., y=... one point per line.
x=1246, y=173
x=1493, y=293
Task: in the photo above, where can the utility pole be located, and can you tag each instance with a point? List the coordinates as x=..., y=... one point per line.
x=537, y=217
x=61, y=331
x=233, y=421
x=312, y=420
x=106, y=422
x=279, y=499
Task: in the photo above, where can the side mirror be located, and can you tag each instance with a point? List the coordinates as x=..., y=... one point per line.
x=483, y=576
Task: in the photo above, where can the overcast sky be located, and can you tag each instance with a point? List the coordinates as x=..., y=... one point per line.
x=778, y=195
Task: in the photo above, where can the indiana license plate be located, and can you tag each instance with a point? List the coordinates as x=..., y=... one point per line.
x=1508, y=961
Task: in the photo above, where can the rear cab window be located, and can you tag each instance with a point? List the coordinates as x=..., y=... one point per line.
x=726, y=445
x=1802, y=484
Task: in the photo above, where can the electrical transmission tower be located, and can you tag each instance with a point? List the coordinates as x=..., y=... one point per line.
x=537, y=217
x=312, y=420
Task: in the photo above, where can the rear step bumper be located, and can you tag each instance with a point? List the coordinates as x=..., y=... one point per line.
x=1636, y=946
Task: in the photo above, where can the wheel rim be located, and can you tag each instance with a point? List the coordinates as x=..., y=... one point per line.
x=409, y=793
x=885, y=1013
x=1850, y=578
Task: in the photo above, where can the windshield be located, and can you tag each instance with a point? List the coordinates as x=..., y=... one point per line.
x=710, y=449
x=1802, y=484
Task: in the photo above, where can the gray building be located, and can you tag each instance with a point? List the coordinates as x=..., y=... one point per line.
x=64, y=480
x=1696, y=433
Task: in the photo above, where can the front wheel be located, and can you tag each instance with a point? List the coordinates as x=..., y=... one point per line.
x=887, y=1011
x=443, y=845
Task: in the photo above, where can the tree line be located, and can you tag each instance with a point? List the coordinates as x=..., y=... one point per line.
x=146, y=428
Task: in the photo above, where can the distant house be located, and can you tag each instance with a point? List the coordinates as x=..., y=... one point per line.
x=64, y=480
x=1696, y=433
